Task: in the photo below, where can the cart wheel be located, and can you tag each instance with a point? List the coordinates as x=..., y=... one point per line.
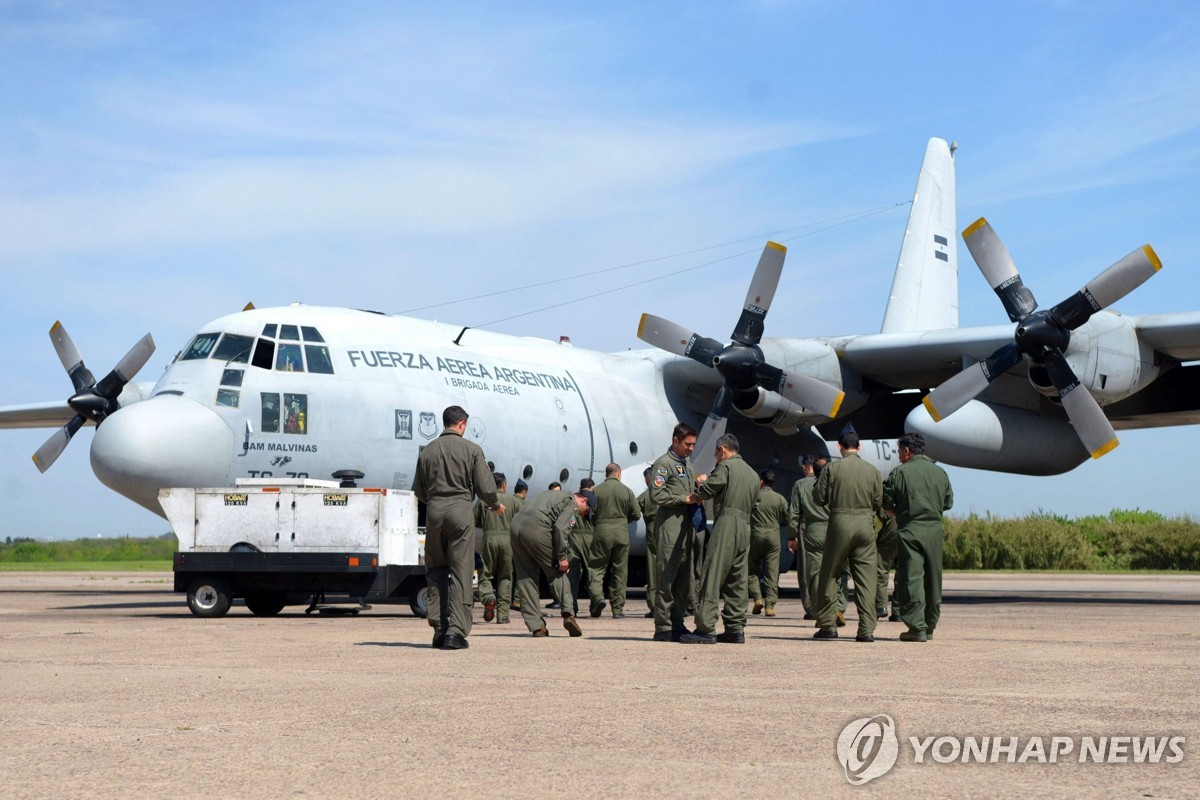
x=209, y=596
x=266, y=604
x=418, y=601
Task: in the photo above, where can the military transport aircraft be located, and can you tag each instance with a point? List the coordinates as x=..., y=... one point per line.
x=302, y=391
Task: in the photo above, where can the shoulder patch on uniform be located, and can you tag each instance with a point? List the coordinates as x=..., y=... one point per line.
x=660, y=481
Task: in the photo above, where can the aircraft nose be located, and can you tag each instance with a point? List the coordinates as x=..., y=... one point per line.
x=165, y=441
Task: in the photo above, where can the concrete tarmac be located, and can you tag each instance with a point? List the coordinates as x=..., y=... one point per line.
x=109, y=687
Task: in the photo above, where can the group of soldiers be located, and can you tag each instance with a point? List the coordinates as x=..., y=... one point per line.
x=832, y=516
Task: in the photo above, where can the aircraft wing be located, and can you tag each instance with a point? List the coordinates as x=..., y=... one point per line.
x=1174, y=335
x=36, y=415
x=918, y=359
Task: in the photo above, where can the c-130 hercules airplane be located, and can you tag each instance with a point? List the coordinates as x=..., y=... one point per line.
x=303, y=391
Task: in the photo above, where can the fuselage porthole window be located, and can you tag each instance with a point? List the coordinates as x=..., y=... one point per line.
x=288, y=358
x=318, y=358
x=234, y=347
x=527, y=473
x=228, y=397
x=200, y=347
x=564, y=475
x=289, y=332
x=311, y=334
x=633, y=448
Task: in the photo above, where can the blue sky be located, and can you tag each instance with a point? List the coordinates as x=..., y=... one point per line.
x=161, y=164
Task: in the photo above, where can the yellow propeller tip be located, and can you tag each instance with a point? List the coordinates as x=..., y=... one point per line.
x=974, y=226
x=1155, y=261
x=837, y=405
x=642, y=325
x=928, y=403
x=777, y=246
x=1105, y=448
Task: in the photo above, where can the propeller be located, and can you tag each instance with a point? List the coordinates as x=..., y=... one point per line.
x=741, y=363
x=92, y=401
x=1042, y=336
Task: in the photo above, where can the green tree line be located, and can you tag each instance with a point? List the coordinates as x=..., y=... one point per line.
x=1120, y=540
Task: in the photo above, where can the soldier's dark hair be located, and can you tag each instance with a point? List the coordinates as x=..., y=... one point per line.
x=500, y=478
x=554, y=485
x=611, y=470
x=809, y=461
x=849, y=440
x=768, y=477
x=913, y=442
x=453, y=415
x=729, y=442
x=585, y=484
x=646, y=472
x=682, y=431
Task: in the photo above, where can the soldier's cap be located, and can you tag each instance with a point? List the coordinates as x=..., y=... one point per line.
x=521, y=486
x=590, y=496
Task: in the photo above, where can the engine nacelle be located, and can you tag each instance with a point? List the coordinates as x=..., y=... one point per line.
x=773, y=411
x=999, y=438
x=1108, y=358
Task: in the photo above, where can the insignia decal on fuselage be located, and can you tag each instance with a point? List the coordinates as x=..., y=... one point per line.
x=427, y=427
x=403, y=424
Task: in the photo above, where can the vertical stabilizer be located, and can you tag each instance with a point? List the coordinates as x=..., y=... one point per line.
x=924, y=292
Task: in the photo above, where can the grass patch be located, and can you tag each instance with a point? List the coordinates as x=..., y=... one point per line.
x=86, y=566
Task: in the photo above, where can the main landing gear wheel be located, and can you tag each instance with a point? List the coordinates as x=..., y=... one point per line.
x=209, y=597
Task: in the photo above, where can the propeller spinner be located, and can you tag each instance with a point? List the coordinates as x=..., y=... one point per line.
x=1042, y=336
x=92, y=401
x=741, y=363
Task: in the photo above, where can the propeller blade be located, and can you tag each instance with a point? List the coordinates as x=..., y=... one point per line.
x=1108, y=287
x=966, y=385
x=112, y=383
x=998, y=268
x=68, y=354
x=49, y=452
x=666, y=335
x=749, y=328
x=1092, y=427
x=703, y=455
x=815, y=395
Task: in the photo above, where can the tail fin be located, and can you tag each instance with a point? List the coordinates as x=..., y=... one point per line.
x=924, y=292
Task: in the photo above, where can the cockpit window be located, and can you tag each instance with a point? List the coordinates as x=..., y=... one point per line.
x=289, y=332
x=269, y=330
x=234, y=348
x=287, y=358
x=264, y=354
x=200, y=347
x=318, y=358
x=311, y=334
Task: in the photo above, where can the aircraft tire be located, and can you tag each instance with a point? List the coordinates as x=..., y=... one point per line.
x=209, y=596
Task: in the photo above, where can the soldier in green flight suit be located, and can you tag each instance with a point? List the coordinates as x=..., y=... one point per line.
x=647, y=507
x=852, y=490
x=807, y=526
x=733, y=487
x=541, y=533
x=886, y=543
x=581, y=545
x=496, y=577
x=616, y=507
x=918, y=494
x=672, y=481
x=769, y=515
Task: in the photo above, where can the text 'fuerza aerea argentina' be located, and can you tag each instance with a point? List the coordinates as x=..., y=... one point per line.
x=390, y=359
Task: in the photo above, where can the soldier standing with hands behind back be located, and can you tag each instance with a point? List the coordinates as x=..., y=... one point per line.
x=450, y=472
x=852, y=490
x=672, y=481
